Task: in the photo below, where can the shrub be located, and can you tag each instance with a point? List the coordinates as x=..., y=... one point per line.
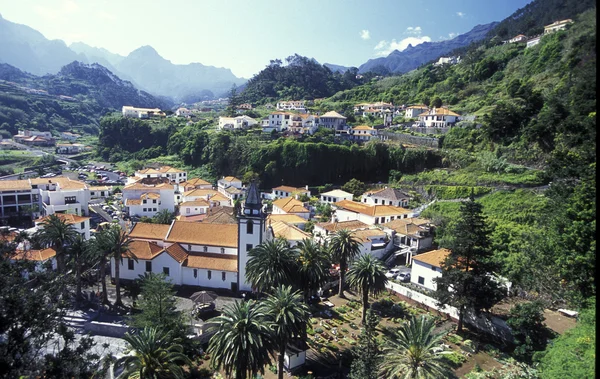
x=319, y=330
x=454, y=338
x=454, y=359
x=345, y=330
x=314, y=321
x=332, y=346
x=310, y=332
x=353, y=325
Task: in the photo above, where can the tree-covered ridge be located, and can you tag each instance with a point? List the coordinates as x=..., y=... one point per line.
x=301, y=78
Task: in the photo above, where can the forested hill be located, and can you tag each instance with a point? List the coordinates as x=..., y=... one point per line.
x=77, y=96
x=299, y=78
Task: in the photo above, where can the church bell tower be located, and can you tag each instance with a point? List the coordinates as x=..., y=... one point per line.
x=251, y=231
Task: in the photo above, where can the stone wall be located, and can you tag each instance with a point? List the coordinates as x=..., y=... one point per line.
x=407, y=138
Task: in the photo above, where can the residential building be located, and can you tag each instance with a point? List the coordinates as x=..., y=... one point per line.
x=291, y=219
x=362, y=133
x=193, y=208
x=129, y=111
x=410, y=232
x=231, y=187
x=437, y=118
x=518, y=38
x=426, y=267
x=291, y=106
x=245, y=106
x=100, y=192
x=447, y=60
x=389, y=196
x=289, y=205
x=42, y=258
x=194, y=183
x=183, y=112
x=373, y=240
x=62, y=195
x=34, y=138
x=415, y=110
x=148, y=199
x=557, y=25
x=79, y=223
x=18, y=197
x=334, y=196
x=69, y=136
x=198, y=253
x=369, y=214
x=289, y=232
x=333, y=120
x=533, y=41
x=287, y=191
x=278, y=121
x=239, y=122
x=70, y=148
x=173, y=174
x=304, y=123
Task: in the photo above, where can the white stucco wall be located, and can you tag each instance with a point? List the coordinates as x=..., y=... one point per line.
x=424, y=270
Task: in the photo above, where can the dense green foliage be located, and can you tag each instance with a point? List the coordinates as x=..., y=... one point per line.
x=301, y=79
x=526, y=321
x=367, y=354
x=157, y=306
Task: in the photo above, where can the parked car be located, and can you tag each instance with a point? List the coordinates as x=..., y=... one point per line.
x=393, y=273
x=404, y=277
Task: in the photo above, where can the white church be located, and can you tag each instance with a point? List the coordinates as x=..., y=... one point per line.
x=203, y=254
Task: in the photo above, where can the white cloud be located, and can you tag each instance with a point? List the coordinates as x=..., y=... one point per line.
x=365, y=34
x=460, y=14
x=65, y=9
x=413, y=30
x=384, y=48
x=449, y=36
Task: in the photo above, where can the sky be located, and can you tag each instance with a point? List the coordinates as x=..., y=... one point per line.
x=245, y=35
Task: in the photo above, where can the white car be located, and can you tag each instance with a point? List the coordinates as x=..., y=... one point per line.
x=391, y=274
x=404, y=277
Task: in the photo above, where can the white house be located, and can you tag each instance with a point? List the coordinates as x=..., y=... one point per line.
x=347, y=210
x=426, y=267
x=279, y=121
x=373, y=240
x=362, y=133
x=386, y=196
x=69, y=136
x=100, y=192
x=411, y=232
x=437, y=118
x=533, y=41
x=41, y=257
x=518, y=38
x=333, y=120
x=173, y=174
x=79, y=223
x=557, y=25
x=193, y=208
x=194, y=183
x=289, y=205
x=148, y=199
x=297, y=105
x=239, y=122
x=129, y=111
x=291, y=219
x=304, y=123
x=415, y=110
x=62, y=195
x=289, y=232
x=447, y=60
x=69, y=148
x=231, y=187
x=287, y=191
x=183, y=112
x=334, y=196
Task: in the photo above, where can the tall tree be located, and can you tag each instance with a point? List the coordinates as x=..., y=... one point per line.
x=467, y=273
x=243, y=342
x=116, y=242
x=413, y=353
x=344, y=248
x=163, y=217
x=156, y=353
x=157, y=304
x=58, y=233
x=367, y=275
x=79, y=257
x=367, y=354
x=100, y=254
x=270, y=264
x=287, y=315
x=314, y=261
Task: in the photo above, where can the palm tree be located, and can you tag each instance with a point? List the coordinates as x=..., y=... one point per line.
x=79, y=253
x=313, y=265
x=413, y=354
x=117, y=243
x=155, y=354
x=270, y=264
x=288, y=316
x=344, y=248
x=100, y=252
x=163, y=217
x=367, y=275
x=242, y=341
x=58, y=233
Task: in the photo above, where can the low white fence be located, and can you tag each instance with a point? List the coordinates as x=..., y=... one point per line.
x=422, y=299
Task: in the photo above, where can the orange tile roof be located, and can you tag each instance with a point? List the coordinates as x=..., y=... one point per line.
x=149, y=195
x=406, y=225
x=194, y=218
x=195, y=182
x=217, y=262
x=365, y=234
x=332, y=114
x=66, y=183
x=133, y=202
x=363, y=127
x=289, y=218
x=140, y=186
x=371, y=210
x=67, y=217
x=101, y=188
x=35, y=255
x=222, y=217
x=14, y=185
x=219, y=197
x=350, y=225
x=290, y=205
x=177, y=252
x=160, y=170
x=231, y=179
x=204, y=234
x=200, y=193
x=146, y=230
x=143, y=249
x=287, y=231
x=434, y=258
x=439, y=112
x=195, y=203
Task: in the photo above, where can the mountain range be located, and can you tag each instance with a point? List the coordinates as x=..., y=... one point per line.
x=399, y=62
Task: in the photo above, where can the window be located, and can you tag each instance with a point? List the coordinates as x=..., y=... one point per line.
x=375, y=201
x=206, y=249
x=433, y=268
x=189, y=247
x=166, y=271
x=377, y=220
x=222, y=250
x=82, y=226
x=149, y=266
x=153, y=201
x=392, y=218
x=223, y=276
x=187, y=210
x=421, y=280
x=130, y=264
x=144, y=209
x=250, y=227
x=195, y=273
x=70, y=199
x=248, y=247
x=144, y=201
x=209, y=274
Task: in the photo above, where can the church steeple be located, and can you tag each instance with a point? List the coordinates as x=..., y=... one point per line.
x=253, y=203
